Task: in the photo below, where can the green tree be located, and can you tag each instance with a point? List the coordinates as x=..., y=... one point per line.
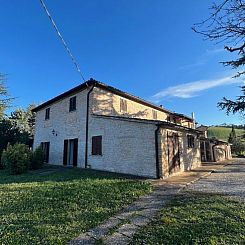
x=5, y=100
x=232, y=136
x=24, y=120
x=226, y=24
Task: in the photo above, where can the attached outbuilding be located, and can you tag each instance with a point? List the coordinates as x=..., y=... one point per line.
x=213, y=149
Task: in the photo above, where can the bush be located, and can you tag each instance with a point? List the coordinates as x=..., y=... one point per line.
x=16, y=158
x=37, y=159
x=237, y=147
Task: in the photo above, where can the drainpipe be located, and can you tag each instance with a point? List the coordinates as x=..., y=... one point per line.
x=87, y=119
x=157, y=152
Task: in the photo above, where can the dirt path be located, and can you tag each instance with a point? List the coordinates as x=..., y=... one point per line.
x=229, y=180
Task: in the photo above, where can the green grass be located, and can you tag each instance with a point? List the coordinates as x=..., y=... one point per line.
x=197, y=219
x=223, y=133
x=54, y=205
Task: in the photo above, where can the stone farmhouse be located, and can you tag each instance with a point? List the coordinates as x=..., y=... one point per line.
x=100, y=127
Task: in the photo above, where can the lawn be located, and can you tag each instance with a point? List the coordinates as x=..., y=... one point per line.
x=197, y=219
x=54, y=205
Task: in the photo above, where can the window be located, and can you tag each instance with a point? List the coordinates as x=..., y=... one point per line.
x=123, y=105
x=190, y=140
x=47, y=114
x=97, y=145
x=154, y=114
x=73, y=103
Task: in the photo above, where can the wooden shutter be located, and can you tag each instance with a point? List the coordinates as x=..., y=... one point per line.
x=123, y=105
x=65, y=152
x=75, y=152
x=47, y=151
x=97, y=145
x=74, y=103
x=94, y=145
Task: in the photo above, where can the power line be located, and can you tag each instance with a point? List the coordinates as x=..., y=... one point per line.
x=62, y=40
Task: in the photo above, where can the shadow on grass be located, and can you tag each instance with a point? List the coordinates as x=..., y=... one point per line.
x=54, y=205
x=60, y=173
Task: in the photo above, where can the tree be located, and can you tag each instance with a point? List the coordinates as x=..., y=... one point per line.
x=5, y=100
x=24, y=120
x=226, y=24
x=232, y=136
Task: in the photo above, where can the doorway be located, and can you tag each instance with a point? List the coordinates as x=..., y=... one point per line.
x=70, y=152
x=173, y=152
x=45, y=147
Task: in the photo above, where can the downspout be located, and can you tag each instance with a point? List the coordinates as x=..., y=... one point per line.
x=157, y=152
x=87, y=120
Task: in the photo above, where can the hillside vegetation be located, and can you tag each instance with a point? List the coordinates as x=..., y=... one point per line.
x=222, y=133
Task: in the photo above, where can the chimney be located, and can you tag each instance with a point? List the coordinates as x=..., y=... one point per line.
x=194, y=121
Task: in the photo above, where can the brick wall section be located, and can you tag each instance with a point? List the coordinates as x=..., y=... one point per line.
x=127, y=146
x=67, y=125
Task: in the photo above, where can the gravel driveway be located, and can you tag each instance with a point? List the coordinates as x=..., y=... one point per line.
x=229, y=180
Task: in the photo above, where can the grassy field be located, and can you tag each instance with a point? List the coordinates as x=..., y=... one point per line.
x=223, y=133
x=54, y=205
x=197, y=219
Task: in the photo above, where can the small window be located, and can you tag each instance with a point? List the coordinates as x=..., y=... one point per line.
x=47, y=114
x=73, y=103
x=97, y=145
x=123, y=105
x=190, y=140
x=154, y=114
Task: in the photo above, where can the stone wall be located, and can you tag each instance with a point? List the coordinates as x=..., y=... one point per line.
x=189, y=157
x=222, y=152
x=127, y=146
x=66, y=125
x=107, y=103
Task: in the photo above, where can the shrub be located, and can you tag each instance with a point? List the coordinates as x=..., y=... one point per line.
x=37, y=159
x=16, y=158
x=237, y=147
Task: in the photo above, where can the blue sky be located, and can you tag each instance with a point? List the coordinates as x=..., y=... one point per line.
x=144, y=47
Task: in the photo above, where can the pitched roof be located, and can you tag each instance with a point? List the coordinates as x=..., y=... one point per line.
x=104, y=86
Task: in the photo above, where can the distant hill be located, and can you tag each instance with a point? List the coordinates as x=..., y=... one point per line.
x=223, y=133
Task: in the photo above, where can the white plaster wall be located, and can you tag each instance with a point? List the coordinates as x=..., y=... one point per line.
x=67, y=125
x=127, y=147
